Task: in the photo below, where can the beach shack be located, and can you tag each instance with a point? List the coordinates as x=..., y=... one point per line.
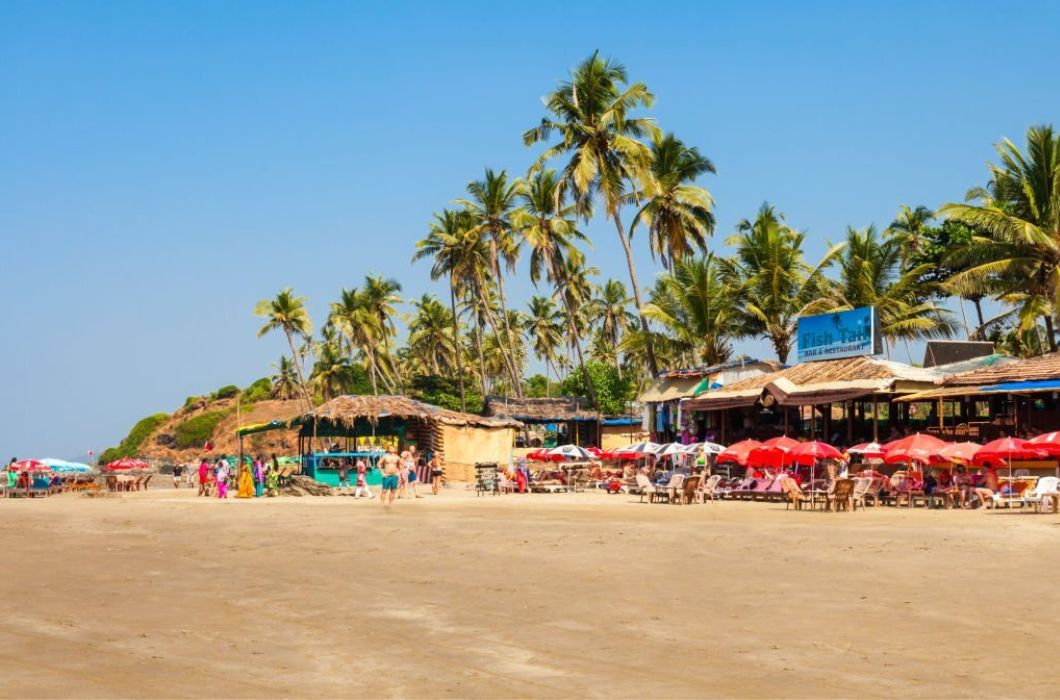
x=360, y=427
x=1001, y=397
x=662, y=399
x=567, y=419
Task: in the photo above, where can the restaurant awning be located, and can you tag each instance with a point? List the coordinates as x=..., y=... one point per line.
x=670, y=389
x=935, y=394
x=722, y=400
x=1031, y=386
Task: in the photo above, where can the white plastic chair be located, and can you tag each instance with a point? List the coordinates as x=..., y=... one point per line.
x=1046, y=486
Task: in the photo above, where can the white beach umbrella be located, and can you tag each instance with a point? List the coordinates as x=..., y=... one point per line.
x=673, y=448
x=710, y=448
x=571, y=452
x=642, y=448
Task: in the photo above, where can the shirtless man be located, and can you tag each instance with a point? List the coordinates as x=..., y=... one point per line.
x=391, y=465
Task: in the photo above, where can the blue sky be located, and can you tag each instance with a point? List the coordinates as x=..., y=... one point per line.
x=165, y=165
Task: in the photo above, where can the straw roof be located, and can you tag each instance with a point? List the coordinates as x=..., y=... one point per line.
x=561, y=408
x=1041, y=367
x=347, y=410
x=701, y=372
x=810, y=382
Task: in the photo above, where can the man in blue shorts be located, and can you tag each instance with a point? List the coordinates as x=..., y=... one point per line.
x=389, y=464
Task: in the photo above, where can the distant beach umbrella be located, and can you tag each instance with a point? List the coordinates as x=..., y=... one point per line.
x=809, y=453
x=915, y=449
x=868, y=451
x=1050, y=442
x=738, y=452
x=571, y=452
x=960, y=451
x=28, y=465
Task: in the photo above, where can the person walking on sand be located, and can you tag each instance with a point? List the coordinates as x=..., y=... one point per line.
x=410, y=472
x=259, y=477
x=391, y=465
x=245, y=483
x=437, y=472
x=344, y=473
x=220, y=471
x=177, y=471
x=204, y=478
x=362, y=481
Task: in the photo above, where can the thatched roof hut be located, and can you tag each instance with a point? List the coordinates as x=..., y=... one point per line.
x=539, y=410
x=461, y=439
x=347, y=410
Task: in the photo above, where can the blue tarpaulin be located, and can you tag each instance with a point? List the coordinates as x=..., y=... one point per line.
x=1030, y=385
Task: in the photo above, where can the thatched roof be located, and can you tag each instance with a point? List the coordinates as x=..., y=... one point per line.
x=701, y=372
x=561, y=408
x=347, y=410
x=819, y=382
x=1041, y=367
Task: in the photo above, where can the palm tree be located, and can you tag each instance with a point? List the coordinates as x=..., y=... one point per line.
x=772, y=283
x=695, y=306
x=360, y=324
x=910, y=228
x=590, y=112
x=287, y=313
x=380, y=296
x=492, y=203
x=610, y=310
x=551, y=234
x=427, y=334
x=545, y=330
x=677, y=213
x=459, y=256
x=332, y=373
x=285, y=381
x=871, y=273
x=1016, y=255
x=574, y=287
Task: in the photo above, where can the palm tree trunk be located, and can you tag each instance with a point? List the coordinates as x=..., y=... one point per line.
x=581, y=364
x=456, y=344
x=481, y=356
x=979, y=310
x=374, y=371
x=652, y=364
x=964, y=317
x=298, y=369
x=509, y=361
x=516, y=383
x=1049, y=334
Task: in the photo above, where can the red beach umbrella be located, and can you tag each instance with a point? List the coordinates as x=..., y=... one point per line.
x=29, y=465
x=809, y=453
x=738, y=452
x=919, y=448
x=126, y=463
x=1007, y=449
x=960, y=451
x=1050, y=442
x=772, y=453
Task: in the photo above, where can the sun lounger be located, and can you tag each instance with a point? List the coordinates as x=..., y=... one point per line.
x=1042, y=491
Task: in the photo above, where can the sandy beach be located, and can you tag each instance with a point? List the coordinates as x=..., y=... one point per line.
x=163, y=594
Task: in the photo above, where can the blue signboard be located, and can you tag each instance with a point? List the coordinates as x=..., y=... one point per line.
x=838, y=334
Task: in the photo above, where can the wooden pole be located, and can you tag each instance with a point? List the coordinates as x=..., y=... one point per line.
x=875, y=421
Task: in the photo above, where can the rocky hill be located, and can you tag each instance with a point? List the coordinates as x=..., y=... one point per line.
x=181, y=436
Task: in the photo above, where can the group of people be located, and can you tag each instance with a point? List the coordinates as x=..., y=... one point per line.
x=254, y=480
x=399, y=474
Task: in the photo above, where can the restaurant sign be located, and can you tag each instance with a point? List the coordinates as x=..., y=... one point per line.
x=838, y=334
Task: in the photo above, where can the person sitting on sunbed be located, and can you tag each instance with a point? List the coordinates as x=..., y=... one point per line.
x=987, y=487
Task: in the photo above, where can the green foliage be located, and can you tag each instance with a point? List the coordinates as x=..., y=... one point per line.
x=445, y=392
x=196, y=431
x=192, y=399
x=612, y=390
x=539, y=386
x=130, y=445
x=258, y=391
x=225, y=392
